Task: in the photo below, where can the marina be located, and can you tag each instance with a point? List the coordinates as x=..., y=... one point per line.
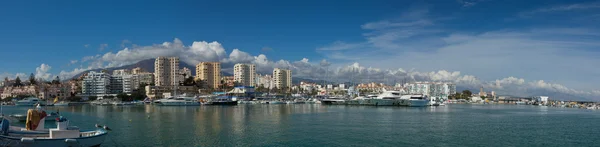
x=328, y=125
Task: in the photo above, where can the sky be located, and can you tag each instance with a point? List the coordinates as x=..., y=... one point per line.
x=511, y=46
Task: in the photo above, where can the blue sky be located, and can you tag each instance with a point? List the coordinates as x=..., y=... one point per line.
x=490, y=42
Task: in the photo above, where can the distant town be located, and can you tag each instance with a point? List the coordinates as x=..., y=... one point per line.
x=168, y=79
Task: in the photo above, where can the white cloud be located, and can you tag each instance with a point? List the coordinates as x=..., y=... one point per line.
x=561, y=8
x=540, y=53
x=42, y=72
x=102, y=47
x=73, y=61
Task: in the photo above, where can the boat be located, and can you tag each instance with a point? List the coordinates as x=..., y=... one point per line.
x=23, y=117
x=222, y=100
x=62, y=103
x=180, y=101
x=147, y=100
x=414, y=100
x=30, y=101
x=520, y=103
x=63, y=135
x=386, y=98
x=333, y=101
x=276, y=102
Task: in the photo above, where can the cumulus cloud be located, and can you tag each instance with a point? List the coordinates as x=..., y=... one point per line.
x=42, y=72
x=86, y=45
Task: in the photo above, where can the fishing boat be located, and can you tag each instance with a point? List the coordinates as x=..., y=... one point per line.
x=30, y=101
x=63, y=135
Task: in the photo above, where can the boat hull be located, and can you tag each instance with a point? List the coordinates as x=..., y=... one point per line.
x=223, y=103
x=92, y=138
x=180, y=103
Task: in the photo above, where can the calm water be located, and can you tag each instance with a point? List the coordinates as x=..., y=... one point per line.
x=317, y=125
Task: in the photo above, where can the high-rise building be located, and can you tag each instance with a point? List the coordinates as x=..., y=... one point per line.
x=282, y=78
x=166, y=71
x=210, y=73
x=440, y=90
x=95, y=84
x=244, y=74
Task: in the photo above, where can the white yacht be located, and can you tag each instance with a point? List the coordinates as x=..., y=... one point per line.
x=180, y=101
x=333, y=101
x=386, y=98
x=414, y=100
x=30, y=101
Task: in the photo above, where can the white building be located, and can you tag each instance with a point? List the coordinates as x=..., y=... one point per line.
x=121, y=72
x=432, y=89
x=543, y=99
x=95, y=84
x=282, y=78
x=342, y=86
x=244, y=74
x=265, y=80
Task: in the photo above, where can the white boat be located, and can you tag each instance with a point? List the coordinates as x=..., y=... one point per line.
x=30, y=101
x=520, y=103
x=386, y=98
x=276, y=102
x=333, y=101
x=60, y=136
x=63, y=103
x=180, y=101
x=414, y=100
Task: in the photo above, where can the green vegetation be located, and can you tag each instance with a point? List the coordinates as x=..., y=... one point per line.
x=32, y=80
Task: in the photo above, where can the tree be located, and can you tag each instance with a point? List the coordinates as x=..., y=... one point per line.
x=466, y=94
x=18, y=82
x=123, y=97
x=189, y=81
x=92, y=98
x=7, y=99
x=32, y=80
x=56, y=80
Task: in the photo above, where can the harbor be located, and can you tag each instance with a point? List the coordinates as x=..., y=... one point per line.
x=333, y=125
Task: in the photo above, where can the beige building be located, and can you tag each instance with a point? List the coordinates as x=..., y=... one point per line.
x=137, y=70
x=166, y=71
x=155, y=92
x=244, y=74
x=282, y=78
x=210, y=73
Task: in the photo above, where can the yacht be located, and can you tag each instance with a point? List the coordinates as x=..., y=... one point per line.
x=180, y=101
x=414, y=100
x=333, y=101
x=386, y=98
x=30, y=101
x=222, y=100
